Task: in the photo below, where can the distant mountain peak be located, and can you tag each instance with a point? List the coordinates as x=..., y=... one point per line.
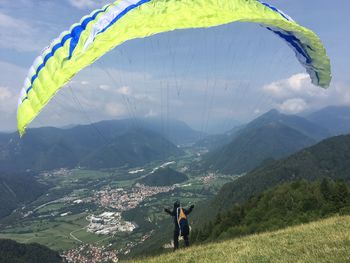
x=271, y=115
x=336, y=119
x=101, y=145
x=272, y=135
x=272, y=112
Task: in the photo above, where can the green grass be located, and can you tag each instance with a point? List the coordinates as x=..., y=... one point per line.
x=88, y=174
x=54, y=234
x=55, y=238
x=54, y=231
x=51, y=207
x=322, y=241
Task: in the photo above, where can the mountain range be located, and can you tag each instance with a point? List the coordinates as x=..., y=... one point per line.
x=14, y=252
x=277, y=186
x=101, y=145
x=251, y=148
x=278, y=207
x=17, y=189
x=271, y=136
x=328, y=121
x=327, y=159
x=336, y=119
x=136, y=147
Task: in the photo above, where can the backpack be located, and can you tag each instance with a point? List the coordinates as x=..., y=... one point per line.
x=182, y=222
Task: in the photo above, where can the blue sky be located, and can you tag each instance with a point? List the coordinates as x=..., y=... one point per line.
x=209, y=78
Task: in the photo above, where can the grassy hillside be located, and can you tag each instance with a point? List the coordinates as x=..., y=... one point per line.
x=282, y=206
x=322, y=241
x=328, y=159
x=16, y=189
x=13, y=252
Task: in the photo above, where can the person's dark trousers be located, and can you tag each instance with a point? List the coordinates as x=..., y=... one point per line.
x=176, y=239
x=187, y=241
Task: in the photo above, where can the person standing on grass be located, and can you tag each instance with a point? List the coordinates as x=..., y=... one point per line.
x=180, y=223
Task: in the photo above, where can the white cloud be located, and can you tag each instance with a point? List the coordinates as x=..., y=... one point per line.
x=84, y=4
x=151, y=114
x=144, y=97
x=81, y=4
x=20, y=35
x=7, y=106
x=12, y=23
x=114, y=109
x=5, y=94
x=293, y=106
x=296, y=85
x=257, y=111
x=124, y=90
x=104, y=87
x=93, y=96
x=297, y=94
x=12, y=77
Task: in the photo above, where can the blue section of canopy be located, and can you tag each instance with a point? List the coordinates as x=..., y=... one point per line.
x=123, y=13
x=76, y=31
x=73, y=35
x=276, y=10
x=298, y=47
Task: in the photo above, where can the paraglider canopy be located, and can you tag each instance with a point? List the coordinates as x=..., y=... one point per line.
x=123, y=20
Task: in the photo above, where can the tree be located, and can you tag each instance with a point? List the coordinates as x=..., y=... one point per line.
x=325, y=189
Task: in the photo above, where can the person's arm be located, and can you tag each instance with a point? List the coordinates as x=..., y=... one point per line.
x=188, y=211
x=168, y=211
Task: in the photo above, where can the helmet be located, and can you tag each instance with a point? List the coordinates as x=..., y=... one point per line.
x=177, y=204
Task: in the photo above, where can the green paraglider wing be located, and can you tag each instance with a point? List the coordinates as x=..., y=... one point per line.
x=106, y=28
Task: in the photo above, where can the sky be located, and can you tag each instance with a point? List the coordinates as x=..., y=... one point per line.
x=210, y=78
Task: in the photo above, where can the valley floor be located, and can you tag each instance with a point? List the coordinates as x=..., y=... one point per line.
x=322, y=241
